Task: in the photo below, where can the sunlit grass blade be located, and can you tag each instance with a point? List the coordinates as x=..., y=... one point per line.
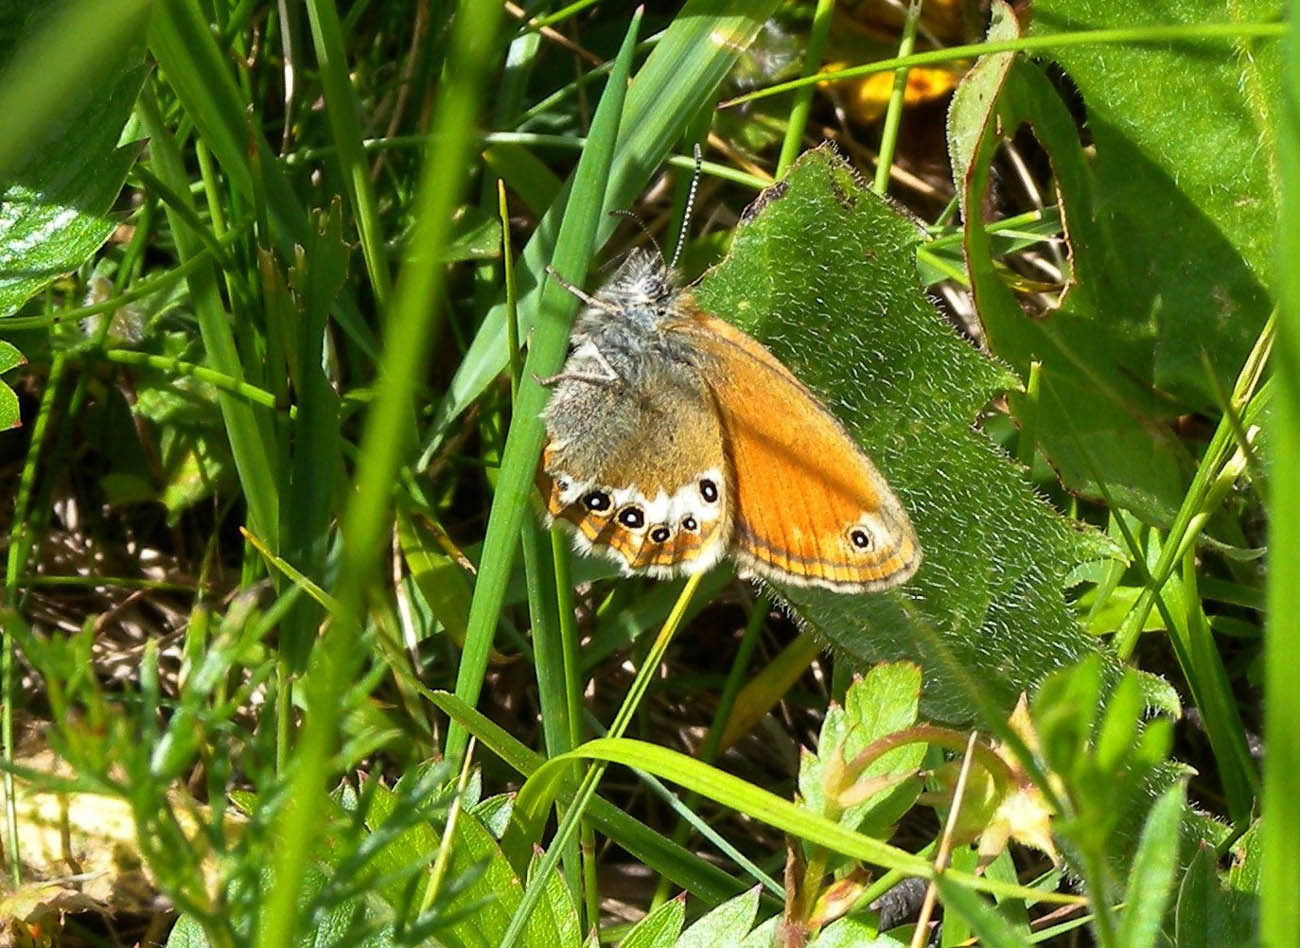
x=1279, y=908
x=196, y=69
x=1156, y=33
x=248, y=432
x=684, y=868
x=510, y=503
x=538, y=793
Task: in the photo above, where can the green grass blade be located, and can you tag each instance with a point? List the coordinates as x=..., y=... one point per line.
x=812, y=61
x=345, y=126
x=1280, y=909
x=198, y=71
x=1125, y=35
x=248, y=432
x=679, y=78
x=387, y=434
x=687, y=870
x=510, y=503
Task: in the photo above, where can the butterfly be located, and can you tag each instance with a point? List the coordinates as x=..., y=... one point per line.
x=674, y=439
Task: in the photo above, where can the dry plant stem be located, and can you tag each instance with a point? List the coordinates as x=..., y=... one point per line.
x=945, y=846
x=419, y=27
x=940, y=737
x=722, y=146
x=289, y=52
x=1035, y=196
x=555, y=36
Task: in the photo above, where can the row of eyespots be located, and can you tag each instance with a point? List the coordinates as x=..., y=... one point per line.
x=633, y=517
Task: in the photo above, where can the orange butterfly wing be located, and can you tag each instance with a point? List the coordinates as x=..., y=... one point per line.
x=810, y=507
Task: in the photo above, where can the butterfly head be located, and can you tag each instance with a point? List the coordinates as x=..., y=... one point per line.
x=643, y=288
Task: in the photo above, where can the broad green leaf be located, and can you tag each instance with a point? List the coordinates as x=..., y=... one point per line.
x=1184, y=144
x=824, y=273
x=1244, y=874
x=1150, y=883
x=992, y=929
x=728, y=924
x=491, y=898
x=850, y=932
x=187, y=933
x=763, y=935
x=1220, y=911
x=486, y=887
x=659, y=929
x=10, y=358
x=414, y=845
x=1240, y=921
x=1199, y=904
x=884, y=702
x=1093, y=351
x=57, y=197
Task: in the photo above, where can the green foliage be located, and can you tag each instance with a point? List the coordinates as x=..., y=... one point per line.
x=881, y=704
x=824, y=266
x=57, y=195
x=10, y=358
x=1184, y=182
x=248, y=303
x=1279, y=909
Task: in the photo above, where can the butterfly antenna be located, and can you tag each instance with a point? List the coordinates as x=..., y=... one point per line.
x=690, y=206
x=630, y=215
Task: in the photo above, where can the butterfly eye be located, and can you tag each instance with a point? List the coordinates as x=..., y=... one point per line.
x=597, y=500
x=660, y=534
x=631, y=517
x=709, y=491
x=690, y=524
x=860, y=538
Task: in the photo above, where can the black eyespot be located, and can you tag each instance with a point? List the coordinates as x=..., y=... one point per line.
x=860, y=538
x=688, y=523
x=660, y=534
x=709, y=491
x=561, y=485
x=597, y=500
x=631, y=517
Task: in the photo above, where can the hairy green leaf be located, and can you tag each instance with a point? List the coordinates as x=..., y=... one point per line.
x=1184, y=139
x=824, y=273
x=659, y=929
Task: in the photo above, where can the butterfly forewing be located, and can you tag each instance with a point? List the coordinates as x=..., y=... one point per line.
x=810, y=507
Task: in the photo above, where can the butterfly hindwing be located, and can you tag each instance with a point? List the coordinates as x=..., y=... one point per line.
x=639, y=475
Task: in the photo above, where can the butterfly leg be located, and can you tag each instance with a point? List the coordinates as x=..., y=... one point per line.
x=580, y=293
x=604, y=376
